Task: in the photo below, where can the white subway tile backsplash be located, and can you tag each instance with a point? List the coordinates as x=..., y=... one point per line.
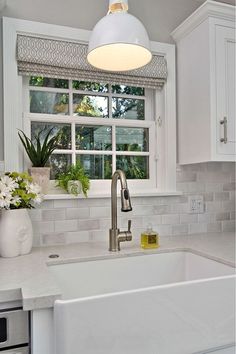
x=88, y=224
x=161, y=209
x=197, y=228
x=214, y=187
x=179, y=229
x=142, y=210
x=77, y=213
x=214, y=176
x=212, y=207
x=152, y=219
x=66, y=225
x=52, y=239
x=78, y=220
x=99, y=235
x=183, y=176
x=222, y=216
x=228, y=205
x=179, y=208
x=100, y=212
x=198, y=187
x=170, y=219
x=35, y=214
x=214, y=227
x=228, y=225
x=163, y=230
x=43, y=226
x=53, y=214
x=206, y=218
x=208, y=197
x=188, y=218
x=221, y=196
x=77, y=236
x=229, y=186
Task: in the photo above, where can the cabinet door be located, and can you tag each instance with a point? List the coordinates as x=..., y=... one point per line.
x=225, y=89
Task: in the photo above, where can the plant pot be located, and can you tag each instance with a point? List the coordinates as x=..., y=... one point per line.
x=16, y=233
x=74, y=187
x=41, y=176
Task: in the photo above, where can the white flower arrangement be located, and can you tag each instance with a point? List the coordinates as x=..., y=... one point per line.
x=17, y=191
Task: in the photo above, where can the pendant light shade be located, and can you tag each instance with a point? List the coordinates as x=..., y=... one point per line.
x=119, y=41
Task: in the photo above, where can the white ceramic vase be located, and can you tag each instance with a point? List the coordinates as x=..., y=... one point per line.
x=16, y=233
x=74, y=187
x=41, y=176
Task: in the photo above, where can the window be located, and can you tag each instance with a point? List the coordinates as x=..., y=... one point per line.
x=162, y=134
x=103, y=126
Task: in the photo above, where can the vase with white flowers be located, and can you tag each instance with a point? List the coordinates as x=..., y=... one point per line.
x=18, y=193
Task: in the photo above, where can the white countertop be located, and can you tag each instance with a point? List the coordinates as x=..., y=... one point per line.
x=27, y=278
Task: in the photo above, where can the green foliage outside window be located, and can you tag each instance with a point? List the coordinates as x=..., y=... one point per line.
x=91, y=102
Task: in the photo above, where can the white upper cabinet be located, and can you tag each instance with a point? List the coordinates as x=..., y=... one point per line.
x=206, y=84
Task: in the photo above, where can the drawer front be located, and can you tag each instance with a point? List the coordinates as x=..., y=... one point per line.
x=14, y=328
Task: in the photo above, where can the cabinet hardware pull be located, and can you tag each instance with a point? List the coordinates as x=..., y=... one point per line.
x=224, y=139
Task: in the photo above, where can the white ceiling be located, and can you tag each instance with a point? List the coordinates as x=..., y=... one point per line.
x=160, y=17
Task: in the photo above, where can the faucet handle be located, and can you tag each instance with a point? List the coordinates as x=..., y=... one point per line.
x=129, y=225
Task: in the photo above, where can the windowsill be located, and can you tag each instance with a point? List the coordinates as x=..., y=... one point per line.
x=150, y=193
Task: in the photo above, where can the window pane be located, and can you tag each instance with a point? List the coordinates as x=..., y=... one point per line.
x=127, y=108
x=59, y=163
x=128, y=90
x=90, y=106
x=48, y=82
x=63, y=131
x=89, y=86
x=135, y=167
x=131, y=139
x=93, y=137
x=49, y=102
x=96, y=166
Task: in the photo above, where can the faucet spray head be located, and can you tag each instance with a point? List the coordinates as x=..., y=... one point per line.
x=125, y=200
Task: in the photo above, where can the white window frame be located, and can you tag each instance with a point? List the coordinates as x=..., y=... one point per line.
x=93, y=121
x=164, y=115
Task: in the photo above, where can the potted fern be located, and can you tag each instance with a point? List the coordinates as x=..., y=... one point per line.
x=39, y=152
x=74, y=180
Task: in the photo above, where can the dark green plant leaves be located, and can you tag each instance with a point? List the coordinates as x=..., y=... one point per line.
x=39, y=152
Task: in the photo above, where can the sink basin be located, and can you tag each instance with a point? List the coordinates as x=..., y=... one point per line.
x=134, y=272
x=167, y=303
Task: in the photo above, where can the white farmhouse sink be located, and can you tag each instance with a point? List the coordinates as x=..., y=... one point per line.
x=98, y=277
x=168, y=303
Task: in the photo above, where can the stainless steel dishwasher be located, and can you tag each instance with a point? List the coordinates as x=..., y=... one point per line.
x=14, y=331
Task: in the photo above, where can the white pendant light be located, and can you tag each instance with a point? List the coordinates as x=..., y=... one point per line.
x=119, y=41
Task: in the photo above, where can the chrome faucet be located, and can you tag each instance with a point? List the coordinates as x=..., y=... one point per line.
x=115, y=235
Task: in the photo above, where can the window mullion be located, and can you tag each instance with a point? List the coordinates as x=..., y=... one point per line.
x=113, y=131
x=73, y=143
x=113, y=148
x=73, y=147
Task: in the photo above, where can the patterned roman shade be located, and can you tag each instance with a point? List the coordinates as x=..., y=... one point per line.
x=68, y=60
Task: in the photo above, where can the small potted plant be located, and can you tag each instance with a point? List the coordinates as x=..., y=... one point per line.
x=18, y=193
x=39, y=152
x=74, y=180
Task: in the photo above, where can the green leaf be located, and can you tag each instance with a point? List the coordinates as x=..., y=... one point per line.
x=40, y=153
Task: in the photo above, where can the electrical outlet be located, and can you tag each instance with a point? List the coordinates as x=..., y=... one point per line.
x=196, y=204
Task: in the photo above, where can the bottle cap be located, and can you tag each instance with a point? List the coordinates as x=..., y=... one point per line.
x=149, y=228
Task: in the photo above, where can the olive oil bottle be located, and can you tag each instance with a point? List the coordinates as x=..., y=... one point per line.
x=149, y=238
